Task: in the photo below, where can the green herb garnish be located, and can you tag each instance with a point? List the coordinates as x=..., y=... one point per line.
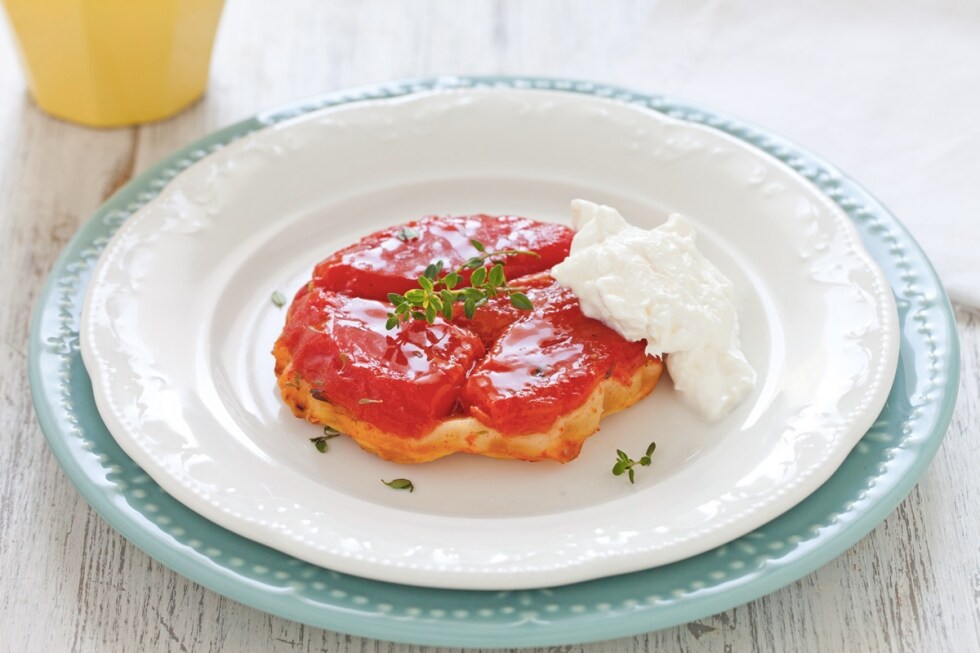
x=625, y=464
x=437, y=292
x=321, y=442
x=278, y=299
x=400, y=484
x=406, y=234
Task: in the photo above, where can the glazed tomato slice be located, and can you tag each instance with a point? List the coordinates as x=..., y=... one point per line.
x=535, y=373
x=545, y=363
x=492, y=317
x=392, y=260
x=403, y=381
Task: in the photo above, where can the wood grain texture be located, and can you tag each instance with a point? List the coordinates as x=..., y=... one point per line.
x=69, y=582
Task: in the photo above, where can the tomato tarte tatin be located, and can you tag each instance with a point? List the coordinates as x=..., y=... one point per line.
x=500, y=381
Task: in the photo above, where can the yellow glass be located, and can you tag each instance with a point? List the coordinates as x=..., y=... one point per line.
x=107, y=63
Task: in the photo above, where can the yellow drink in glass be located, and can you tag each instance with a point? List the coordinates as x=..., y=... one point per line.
x=107, y=63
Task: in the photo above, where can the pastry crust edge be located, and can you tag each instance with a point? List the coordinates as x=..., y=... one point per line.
x=466, y=434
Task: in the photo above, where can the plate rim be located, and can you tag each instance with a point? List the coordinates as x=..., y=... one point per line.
x=293, y=532
x=426, y=631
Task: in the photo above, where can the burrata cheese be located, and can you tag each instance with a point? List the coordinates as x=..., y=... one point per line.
x=654, y=285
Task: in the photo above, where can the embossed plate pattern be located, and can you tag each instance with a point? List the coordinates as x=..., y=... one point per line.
x=877, y=474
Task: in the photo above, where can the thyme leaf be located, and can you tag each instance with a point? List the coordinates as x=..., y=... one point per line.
x=400, y=484
x=406, y=234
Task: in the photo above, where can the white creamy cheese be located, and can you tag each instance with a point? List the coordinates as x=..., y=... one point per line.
x=654, y=284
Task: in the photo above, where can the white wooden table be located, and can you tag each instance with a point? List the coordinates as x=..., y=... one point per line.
x=69, y=582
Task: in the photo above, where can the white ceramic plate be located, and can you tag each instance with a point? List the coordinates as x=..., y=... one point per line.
x=178, y=325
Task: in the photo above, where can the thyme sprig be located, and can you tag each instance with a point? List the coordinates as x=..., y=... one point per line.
x=321, y=442
x=437, y=292
x=626, y=464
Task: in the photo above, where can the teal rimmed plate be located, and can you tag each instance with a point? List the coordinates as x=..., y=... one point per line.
x=874, y=478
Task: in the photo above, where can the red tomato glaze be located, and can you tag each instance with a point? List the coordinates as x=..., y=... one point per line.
x=545, y=364
x=403, y=381
x=392, y=260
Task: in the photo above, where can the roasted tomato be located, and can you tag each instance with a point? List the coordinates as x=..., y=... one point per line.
x=545, y=363
x=402, y=380
x=392, y=260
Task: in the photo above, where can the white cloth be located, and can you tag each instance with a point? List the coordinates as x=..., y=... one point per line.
x=887, y=91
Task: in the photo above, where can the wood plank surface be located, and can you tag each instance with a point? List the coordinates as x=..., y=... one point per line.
x=69, y=582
